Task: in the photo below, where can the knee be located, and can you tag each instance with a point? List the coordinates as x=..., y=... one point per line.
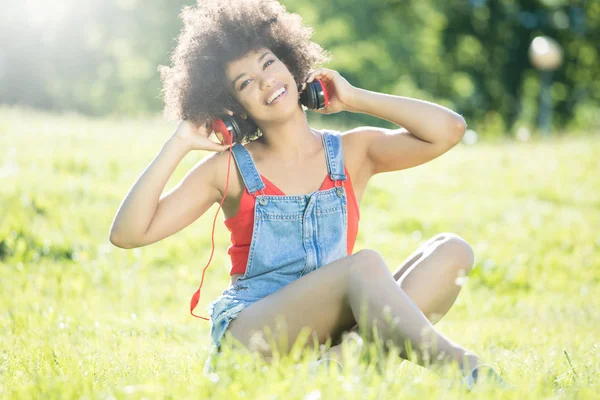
x=457, y=250
x=368, y=264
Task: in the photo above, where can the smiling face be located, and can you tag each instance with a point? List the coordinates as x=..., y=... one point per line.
x=263, y=85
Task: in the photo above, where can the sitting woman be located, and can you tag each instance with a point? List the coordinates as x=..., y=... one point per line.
x=293, y=234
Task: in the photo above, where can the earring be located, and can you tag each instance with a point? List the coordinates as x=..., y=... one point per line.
x=301, y=87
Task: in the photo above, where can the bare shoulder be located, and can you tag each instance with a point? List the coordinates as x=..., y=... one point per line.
x=357, y=139
x=385, y=150
x=355, y=143
x=212, y=170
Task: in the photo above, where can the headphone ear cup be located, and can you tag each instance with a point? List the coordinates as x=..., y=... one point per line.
x=315, y=96
x=312, y=96
x=321, y=94
x=304, y=96
x=227, y=130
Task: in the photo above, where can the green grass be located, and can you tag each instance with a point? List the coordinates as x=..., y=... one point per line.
x=80, y=318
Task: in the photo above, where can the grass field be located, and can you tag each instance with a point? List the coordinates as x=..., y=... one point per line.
x=80, y=318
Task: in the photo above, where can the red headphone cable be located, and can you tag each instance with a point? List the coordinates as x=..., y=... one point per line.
x=196, y=296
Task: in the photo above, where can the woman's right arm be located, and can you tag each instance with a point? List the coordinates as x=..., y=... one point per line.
x=144, y=216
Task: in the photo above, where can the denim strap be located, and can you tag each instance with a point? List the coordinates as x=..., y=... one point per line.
x=332, y=141
x=248, y=169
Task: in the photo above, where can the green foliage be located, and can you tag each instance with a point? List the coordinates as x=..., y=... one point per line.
x=102, y=58
x=489, y=41
x=82, y=318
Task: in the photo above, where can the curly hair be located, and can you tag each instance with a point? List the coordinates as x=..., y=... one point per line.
x=216, y=33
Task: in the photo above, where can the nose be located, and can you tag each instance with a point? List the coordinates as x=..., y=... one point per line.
x=267, y=82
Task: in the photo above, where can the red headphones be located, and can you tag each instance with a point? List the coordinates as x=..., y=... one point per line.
x=228, y=131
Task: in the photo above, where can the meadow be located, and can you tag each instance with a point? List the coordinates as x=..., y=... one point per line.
x=81, y=318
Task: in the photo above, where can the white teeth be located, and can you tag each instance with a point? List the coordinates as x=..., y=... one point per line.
x=275, y=95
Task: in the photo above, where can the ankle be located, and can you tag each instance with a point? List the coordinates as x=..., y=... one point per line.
x=468, y=362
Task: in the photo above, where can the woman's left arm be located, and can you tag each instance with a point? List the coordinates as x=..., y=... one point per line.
x=428, y=130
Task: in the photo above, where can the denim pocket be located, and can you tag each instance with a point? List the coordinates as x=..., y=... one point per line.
x=332, y=239
x=277, y=244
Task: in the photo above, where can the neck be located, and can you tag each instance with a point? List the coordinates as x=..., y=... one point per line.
x=291, y=139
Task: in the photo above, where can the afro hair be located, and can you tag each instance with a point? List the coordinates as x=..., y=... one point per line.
x=215, y=33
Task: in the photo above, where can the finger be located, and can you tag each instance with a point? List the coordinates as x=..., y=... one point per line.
x=316, y=76
x=218, y=147
x=226, y=147
x=320, y=74
x=311, y=75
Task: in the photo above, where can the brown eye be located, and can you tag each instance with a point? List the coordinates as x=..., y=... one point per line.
x=244, y=84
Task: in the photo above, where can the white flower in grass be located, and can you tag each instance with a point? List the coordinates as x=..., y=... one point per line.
x=314, y=395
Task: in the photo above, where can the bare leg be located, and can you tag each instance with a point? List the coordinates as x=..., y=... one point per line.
x=383, y=299
x=429, y=277
x=329, y=301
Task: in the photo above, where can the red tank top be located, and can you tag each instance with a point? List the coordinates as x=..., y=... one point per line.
x=241, y=224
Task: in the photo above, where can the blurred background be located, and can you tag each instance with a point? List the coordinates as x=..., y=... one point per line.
x=100, y=57
x=80, y=119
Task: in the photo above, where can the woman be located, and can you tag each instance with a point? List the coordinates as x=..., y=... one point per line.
x=293, y=233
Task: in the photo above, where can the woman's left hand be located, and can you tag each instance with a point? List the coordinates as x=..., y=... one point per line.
x=339, y=91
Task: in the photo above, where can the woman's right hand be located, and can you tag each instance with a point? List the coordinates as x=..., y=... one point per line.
x=196, y=136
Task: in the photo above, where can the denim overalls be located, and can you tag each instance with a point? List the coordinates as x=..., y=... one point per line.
x=292, y=236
